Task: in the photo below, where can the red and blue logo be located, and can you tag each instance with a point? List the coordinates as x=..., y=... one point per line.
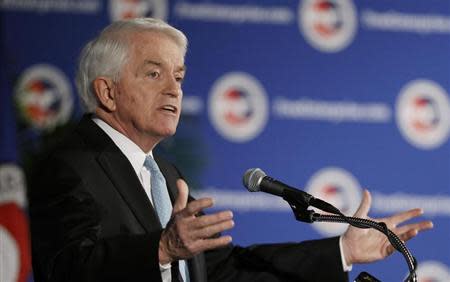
x=423, y=114
x=238, y=107
x=339, y=188
x=328, y=10
x=128, y=9
x=328, y=25
x=336, y=193
x=428, y=115
x=44, y=97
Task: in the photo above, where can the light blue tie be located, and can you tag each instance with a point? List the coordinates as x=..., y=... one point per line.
x=162, y=203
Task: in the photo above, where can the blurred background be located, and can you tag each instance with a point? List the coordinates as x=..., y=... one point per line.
x=330, y=96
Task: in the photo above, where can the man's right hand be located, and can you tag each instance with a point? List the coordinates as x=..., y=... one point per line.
x=187, y=234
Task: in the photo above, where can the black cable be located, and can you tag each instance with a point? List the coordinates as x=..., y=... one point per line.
x=300, y=208
x=380, y=226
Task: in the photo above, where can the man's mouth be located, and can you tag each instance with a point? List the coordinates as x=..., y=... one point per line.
x=170, y=108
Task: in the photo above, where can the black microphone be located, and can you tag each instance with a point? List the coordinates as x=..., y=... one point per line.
x=256, y=180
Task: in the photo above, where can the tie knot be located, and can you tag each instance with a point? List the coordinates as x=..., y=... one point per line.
x=151, y=164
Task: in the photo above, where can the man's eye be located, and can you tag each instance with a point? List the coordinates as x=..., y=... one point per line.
x=179, y=79
x=154, y=74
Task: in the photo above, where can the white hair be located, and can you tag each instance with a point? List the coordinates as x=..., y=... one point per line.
x=106, y=54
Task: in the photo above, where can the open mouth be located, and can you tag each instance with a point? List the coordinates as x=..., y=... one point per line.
x=170, y=108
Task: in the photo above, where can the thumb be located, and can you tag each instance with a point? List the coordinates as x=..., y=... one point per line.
x=364, y=206
x=183, y=192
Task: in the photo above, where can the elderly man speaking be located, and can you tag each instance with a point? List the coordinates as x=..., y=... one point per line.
x=104, y=208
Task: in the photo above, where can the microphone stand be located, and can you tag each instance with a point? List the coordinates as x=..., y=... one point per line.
x=300, y=206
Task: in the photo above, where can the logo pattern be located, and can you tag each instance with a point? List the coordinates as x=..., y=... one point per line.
x=44, y=97
x=339, y=188
x=128, y=9
x=238, y=107
x=433, y=271
x=328, y=25
x=423, y=114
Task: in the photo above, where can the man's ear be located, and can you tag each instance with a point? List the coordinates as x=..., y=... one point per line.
x=104, y=89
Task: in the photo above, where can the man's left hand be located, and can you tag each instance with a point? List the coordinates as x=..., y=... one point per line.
x=368, y=245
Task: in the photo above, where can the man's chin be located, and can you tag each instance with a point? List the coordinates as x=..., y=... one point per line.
x=169, y=132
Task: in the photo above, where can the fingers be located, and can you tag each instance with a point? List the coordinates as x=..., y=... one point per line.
x=210, y=230
x=419, y=226
x=409, y=231
x=206, y=220
x=408, y=235
x=404, y=216
x=210, y=244
x=389, y=249
x=401, y=217
x=208, y=225
x=189, y=235
x=183, y=192
x=197, y=206
x=364, y=206
x=193, y=207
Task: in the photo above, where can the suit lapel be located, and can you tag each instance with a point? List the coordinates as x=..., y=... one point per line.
x=127, y=184
x=121, y=174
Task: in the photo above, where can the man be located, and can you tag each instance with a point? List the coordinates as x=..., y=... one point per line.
x=99, y=203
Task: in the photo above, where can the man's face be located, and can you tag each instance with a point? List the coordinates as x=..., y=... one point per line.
x=148, y=92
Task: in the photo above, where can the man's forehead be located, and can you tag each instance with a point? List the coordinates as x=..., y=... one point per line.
x=151, y=36
x=150, y=48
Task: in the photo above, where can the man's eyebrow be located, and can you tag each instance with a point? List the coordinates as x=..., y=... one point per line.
x=151, y=62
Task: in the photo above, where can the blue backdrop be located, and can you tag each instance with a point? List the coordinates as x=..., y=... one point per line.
x=330, y=96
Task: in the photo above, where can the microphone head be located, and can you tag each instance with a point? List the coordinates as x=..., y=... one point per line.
x=252, y=179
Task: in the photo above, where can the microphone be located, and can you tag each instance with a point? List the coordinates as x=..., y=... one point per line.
x=256, y=180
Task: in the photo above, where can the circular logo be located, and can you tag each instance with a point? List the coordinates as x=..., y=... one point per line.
x=44, y=97
x=9, y=256
x=423, y=114
x=339, y=188
x=328, y=25
x=128, y=9
x=238, y=107
x=432, y=271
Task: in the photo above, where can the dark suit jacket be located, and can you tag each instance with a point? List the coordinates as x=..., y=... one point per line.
x=92, y=221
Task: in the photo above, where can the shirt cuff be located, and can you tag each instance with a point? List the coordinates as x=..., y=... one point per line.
x=345, y=266
x=163, y=267
x=166, y=275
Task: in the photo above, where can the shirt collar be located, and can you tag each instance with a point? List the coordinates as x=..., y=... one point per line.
x=134, y=154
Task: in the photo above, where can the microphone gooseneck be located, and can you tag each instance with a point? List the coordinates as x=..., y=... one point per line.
x=256, y=180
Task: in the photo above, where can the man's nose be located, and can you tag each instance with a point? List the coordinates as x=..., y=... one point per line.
x=173, y=87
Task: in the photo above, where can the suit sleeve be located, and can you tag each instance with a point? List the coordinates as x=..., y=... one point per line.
x=304, y=261
x=273, y=262
x=66, y=235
